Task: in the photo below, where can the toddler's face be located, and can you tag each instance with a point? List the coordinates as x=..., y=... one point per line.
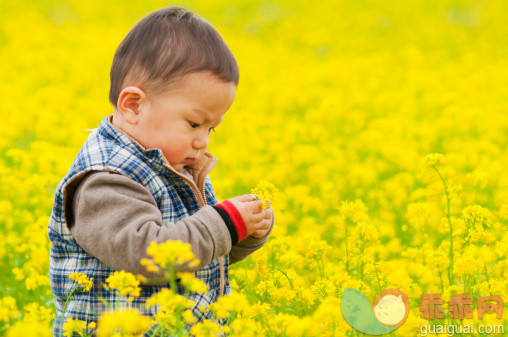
x=179, y=122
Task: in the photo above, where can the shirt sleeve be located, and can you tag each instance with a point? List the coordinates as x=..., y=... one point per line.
x=249, y=245
x=115, y=219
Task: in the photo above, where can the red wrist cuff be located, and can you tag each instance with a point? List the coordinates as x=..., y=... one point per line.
x=236, y=217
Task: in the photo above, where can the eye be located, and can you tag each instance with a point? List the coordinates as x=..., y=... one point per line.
x=211, y=129
x=194, y=125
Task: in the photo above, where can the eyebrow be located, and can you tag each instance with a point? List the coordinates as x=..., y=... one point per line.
x=202, y=112
x=207, y=114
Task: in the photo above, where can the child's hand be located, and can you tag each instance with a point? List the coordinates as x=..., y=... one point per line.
x=257, y=220
x=259, y=233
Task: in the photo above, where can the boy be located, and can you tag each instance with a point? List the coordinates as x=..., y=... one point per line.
x=142, y=175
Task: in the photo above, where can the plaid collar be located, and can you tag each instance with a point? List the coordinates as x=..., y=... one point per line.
x=202, y=166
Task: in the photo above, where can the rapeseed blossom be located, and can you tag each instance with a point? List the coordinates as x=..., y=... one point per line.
x=170, y=300
x=392, y=145
x=24, y=328
x=83, y=280
x=172, y=310
x=127, y=323
x=168, y=254
x=126, y=283
x=8, y=309
x=191, y=283
x=35, y=312
x=267, y=193
x=207, y=328
x=434, y=159
x=237, y=303
x=72, y=326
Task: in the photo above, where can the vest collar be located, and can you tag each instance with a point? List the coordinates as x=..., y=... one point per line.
x=201, y=167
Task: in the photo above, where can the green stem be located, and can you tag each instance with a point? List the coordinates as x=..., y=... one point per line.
x=284, y=273
x=263, y=318
x=441, y=278
x=421, y=239
x=157, y=331
x=486, y=273
x=450, y=268
x=347, y=254
x=65, y=308
x=361, y=258
x=172, y=279
x=464, y=281
x=321, y=267
x=377, y=278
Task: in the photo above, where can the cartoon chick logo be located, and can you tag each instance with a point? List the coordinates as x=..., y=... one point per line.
x=387, y=313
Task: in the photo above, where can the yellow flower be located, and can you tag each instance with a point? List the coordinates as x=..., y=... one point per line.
x=257, y=309
x=207, y=328
x=72, y=326
x=168, y=298
x=126, y=283
x=169, y=303
x=477, y=214
x=477, y=220
x=291, y=325
x=191, y=283
x=8, y=309
x=166, y=319
x=35, y=312
x=128, y=322
x=82, y=280
x=188, y=317
x=353, y=211
x=267, y=193
x=236, y=302
x=503, y=211
x=433, y=160
x=245, y=327
x=169, y=253
x=24, y=328
x=329, y=316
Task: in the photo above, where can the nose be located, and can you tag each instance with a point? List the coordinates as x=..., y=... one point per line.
x=200, y=142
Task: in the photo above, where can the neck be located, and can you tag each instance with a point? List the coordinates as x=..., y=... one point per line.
x=120, y=122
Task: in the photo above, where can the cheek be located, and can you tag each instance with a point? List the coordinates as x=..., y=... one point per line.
x=179, y=146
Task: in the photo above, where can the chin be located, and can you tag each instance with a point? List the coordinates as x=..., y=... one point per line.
x=177, y=166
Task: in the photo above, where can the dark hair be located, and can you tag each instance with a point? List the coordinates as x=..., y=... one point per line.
x=166, y=45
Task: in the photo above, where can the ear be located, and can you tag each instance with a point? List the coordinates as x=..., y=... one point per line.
x=128, y=103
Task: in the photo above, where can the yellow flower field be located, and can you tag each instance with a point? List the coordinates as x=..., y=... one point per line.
x=383, y=125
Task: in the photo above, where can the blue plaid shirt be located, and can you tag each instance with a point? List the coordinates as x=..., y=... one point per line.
x=110, y=149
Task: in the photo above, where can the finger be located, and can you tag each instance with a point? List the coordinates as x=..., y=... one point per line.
x=258, y=234
x=265, y=214
x=263, y=224
x=258, y=217
x=245, y=198
x=256, y=206
x=267, y=223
